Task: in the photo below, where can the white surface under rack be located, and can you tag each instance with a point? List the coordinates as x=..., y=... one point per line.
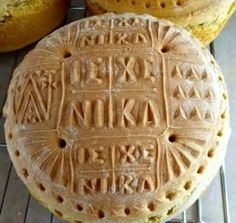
x=17, y=206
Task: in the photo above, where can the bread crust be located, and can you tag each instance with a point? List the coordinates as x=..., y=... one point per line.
x=81, y=71
x=29, y=22
x=205, y=27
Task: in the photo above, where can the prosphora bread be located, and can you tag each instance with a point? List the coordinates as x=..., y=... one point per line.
x=117, y=118
x=25, y=21
x=203, y=18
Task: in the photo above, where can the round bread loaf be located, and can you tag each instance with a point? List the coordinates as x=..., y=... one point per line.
x=25, y=21
x=117, y=118
x=203, y=18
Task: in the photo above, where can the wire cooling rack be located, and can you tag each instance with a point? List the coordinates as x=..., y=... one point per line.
x=81, y=12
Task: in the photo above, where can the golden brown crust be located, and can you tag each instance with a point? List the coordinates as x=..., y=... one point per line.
x=28, y=23
x=94, y=9
x=117, y=118
x=208, y=32
x=204, y=19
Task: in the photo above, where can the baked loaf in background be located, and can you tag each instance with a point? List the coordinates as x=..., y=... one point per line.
x=25, y=21
x=203, y=18
x=117, y=118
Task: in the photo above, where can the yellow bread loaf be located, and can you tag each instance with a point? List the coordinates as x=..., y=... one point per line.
x=25, y=21
x=117, y=118
x=203, y=18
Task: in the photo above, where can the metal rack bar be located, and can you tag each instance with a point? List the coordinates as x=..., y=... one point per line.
x=199, y=211
x=222, y=172
x=224, y=194
x=77, y=8
x=5, y=189
x=27, y=208
x=181, y=221
x=184, y=218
